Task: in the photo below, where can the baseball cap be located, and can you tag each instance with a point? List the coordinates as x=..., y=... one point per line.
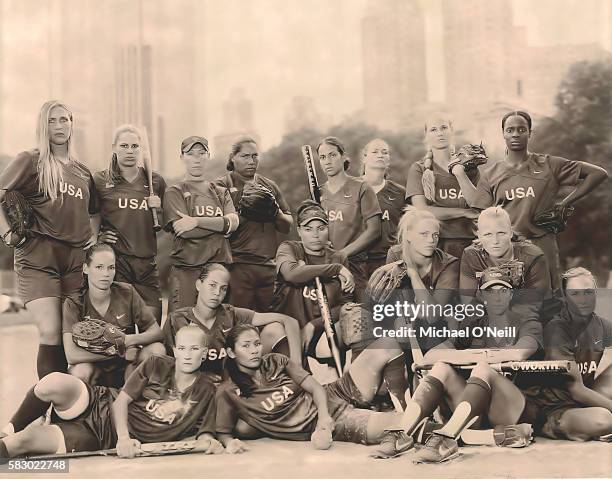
x=188, y=143
x=309, y=213
x=493, y=276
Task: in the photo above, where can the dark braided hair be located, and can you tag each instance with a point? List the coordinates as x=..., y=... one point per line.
x=521, y=113
x=241, y=379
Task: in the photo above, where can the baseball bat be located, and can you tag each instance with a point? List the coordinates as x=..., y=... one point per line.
x=146, y=450
x=322, y=301
x=148, y=166
x=513, y=366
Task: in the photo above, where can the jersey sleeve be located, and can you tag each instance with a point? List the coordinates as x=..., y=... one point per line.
x=161, y=185
x=414, y=182
x=228, y=204
x=538, y=276
x=226, y=415
x=368, y=202
x=287, y=265
x=557, y=341
x=531, y=327
x=607, y=331
x=449, y=277
x=71, y=314
x=207, y=421
x=173, y=203
x=483, y=197
x=468, y=284
x=18, y=173
x=141, y=314
x=243, y=315
x=94, y=199
x=295, y=371
x=138, y=380
x=567, y=172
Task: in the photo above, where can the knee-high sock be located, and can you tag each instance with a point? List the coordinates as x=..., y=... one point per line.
x=51, y=358
x=424, y=402
x=394, y=375
x=475, y=400
x=30, y=409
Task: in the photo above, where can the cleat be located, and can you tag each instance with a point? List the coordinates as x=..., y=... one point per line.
x=515, y=435
x=393, y=444
x=425, y=430
x=437, y=449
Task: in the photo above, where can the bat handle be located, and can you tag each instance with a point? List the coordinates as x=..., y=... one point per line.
x=156, y=224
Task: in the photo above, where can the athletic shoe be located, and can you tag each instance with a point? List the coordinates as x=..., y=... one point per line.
x=393, y=444
x=425, y=430
x=437, y=449
x=515, y=435
x=605, y=438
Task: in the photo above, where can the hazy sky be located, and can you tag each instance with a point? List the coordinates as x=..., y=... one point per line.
x=273, y=49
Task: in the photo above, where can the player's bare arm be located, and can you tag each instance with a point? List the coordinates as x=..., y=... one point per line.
x=292, y=330
x=151, y=335
x=592, y=176
x=324, y=420
x=370, y=235
x=127, y=447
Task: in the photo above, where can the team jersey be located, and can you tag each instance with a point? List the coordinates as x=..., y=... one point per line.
x=582, y=342
x=391, y=201
x=448, y=194
x=198, y=199
x=475, y=259
x=444, y=272
x=278, y=407
x=348, y=210
x=298, y=299
x=526, y=191
x=126, y=310
x=253, y=242
x=227, y=317
x=124, y=210
x=66, y=218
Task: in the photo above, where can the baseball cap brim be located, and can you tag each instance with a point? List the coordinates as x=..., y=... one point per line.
x=312, y=218
x=494, y=282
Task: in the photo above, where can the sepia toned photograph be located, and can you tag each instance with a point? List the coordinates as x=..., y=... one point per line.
x=315, y=238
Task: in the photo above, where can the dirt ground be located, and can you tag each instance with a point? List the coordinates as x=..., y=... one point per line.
x=272, y=459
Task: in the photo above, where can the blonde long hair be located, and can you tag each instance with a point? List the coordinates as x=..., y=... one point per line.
x=428, y=180
x=409, y=220
x=113, y=173
x=50, y=168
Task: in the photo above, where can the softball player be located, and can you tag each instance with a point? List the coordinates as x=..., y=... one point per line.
x=268, y=395
x=115, y=303
x=216, y=319
x=486, y=394
x=165, y=399
x=353, y=211
x=576, y=406
x=201, y=215
x=527, y=183
x=253, y=244
x=430, y=186
x=62, y=194
x=390, y=195
x=127, y=223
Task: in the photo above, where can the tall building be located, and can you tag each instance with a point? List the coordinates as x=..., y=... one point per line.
x=393, y=44
x=237, y=121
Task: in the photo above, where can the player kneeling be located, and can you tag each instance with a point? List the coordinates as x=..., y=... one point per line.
x=164, y=399
x=267, y=395
x=99, y=325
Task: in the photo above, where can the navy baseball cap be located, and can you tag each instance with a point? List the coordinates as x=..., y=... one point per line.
x=189, y=142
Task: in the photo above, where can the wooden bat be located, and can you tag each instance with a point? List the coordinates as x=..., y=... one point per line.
x=322, y=301
x=146, y=450
x=148, y=166
x=513, y=366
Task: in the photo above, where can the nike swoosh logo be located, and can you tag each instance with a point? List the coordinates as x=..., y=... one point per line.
x=110, y=185
x=401, y=443
x=119, y=316
x=598, y=341
x=348, y=196
x=390, y=199
x=536, y=172
x=226, y=330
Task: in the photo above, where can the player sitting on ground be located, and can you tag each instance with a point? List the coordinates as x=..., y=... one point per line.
x=576, y=406
x=216, y=319
x=117, y=304
x=486, y=392
x=163, y=400
x=266, y=395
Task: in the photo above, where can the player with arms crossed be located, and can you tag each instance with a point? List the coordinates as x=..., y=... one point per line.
x=61, y=194
x=118, y=305
x=487, y=394
x=127, y=222
x=216, y=318
x=165, y=399
x=267, y=395
x=577, y=406
x=264, y=214
x=353, y=211
x=390, y=195
x=526, y=185
x=201, y=215
x=435, y=186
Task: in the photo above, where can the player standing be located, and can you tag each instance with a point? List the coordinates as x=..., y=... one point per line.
x=201, y=215
x=253, y=243
x=526, y=184
x=353, y=211
x=390, y=195
x=431, y=186
x=127, y=223
x=165, y=399
x=61, y=192
x=216, y=318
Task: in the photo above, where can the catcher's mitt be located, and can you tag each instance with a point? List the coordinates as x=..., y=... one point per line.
x=385, y=280
x=554, y=219
x=511, y=272
x=99, y=337
x=258, y=203
x=469, y=156
x=355, y=324
x=19, y=215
